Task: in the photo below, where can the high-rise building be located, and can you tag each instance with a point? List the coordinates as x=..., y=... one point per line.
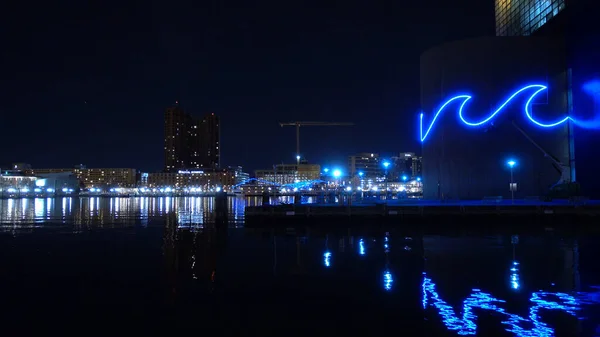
x=524, y=17
x=210, y=153
x=406, y=165
x=176, y=138
x=367, y=165
x=190, y=142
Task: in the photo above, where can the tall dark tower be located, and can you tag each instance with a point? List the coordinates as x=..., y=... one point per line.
x=176, y=154
x=210, y=136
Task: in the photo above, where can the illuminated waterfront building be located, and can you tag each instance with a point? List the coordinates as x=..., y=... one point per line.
x=205, y=180
x=290, y=173
x=94, y=177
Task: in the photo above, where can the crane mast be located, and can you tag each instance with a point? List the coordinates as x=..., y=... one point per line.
x=563, y=169
x=299, y=124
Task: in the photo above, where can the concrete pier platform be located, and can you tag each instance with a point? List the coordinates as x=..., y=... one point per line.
x=430, y=213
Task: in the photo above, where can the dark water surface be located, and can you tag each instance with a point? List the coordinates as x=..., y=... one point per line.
x=158, y=266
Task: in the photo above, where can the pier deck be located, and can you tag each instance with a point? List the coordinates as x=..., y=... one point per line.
x=421, y=212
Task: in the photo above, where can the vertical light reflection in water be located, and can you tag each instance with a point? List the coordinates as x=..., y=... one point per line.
x=64, y=208
x=83, y=212
x=361, y=247
x=144, y=210
x=92, y=205
x=23, y=209
x=49, y=206
x=39, y=208
x=10, y=212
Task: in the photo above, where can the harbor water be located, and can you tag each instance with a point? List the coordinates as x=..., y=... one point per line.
x=162, y=266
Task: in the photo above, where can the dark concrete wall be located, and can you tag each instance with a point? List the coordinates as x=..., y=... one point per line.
x=470, y=162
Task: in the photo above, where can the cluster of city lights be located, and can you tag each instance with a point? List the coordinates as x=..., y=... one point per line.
x=150, y=191
x=37, y=190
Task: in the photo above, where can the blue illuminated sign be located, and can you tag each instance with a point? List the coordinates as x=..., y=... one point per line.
x=534, y=90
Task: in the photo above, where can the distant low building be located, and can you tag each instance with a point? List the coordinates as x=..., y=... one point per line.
x=94, y=177
x=290, y=173
x=203, y=179
x=239, y=174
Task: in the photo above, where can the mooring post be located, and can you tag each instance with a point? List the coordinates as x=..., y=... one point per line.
x=221, y=209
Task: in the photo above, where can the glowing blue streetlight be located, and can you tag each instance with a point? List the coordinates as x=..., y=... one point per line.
x=337, y=173
x=418, y=178
x=404, y=178
x=298, y=158
x=326, y=170
x=361, y=173
x=386, y=164
x=511, y=163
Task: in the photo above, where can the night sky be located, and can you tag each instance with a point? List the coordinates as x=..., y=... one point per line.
x=88, y=81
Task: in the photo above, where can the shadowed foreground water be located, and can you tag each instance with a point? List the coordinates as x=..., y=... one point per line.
x=158, y=266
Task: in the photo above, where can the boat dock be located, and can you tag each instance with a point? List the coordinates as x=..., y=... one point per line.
x=422, y=212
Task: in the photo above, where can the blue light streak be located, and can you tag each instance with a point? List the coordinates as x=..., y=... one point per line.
x=302, y=184
x=541, y=300
x=463, y=99
x=266, y=182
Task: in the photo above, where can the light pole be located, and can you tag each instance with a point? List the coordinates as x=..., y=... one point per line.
x=511, y=163
x=298, y=159
x=337, y=174
x=386, y=164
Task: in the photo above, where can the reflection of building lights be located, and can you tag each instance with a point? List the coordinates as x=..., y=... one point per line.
x=514, y=276
x=327, y=259
x=467, y=324
x=388, y=280
x=361, y=247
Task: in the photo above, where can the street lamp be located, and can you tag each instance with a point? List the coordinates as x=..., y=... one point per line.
x=511, y=163
x=386, y=164
x=298, y=159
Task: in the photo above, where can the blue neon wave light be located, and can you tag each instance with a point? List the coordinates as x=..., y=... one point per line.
x=534, y=90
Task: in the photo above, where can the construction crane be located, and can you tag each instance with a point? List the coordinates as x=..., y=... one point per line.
x=299, y=124
x=563, y=169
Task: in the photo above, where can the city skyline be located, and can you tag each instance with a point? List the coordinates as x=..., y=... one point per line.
x=101, y=100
